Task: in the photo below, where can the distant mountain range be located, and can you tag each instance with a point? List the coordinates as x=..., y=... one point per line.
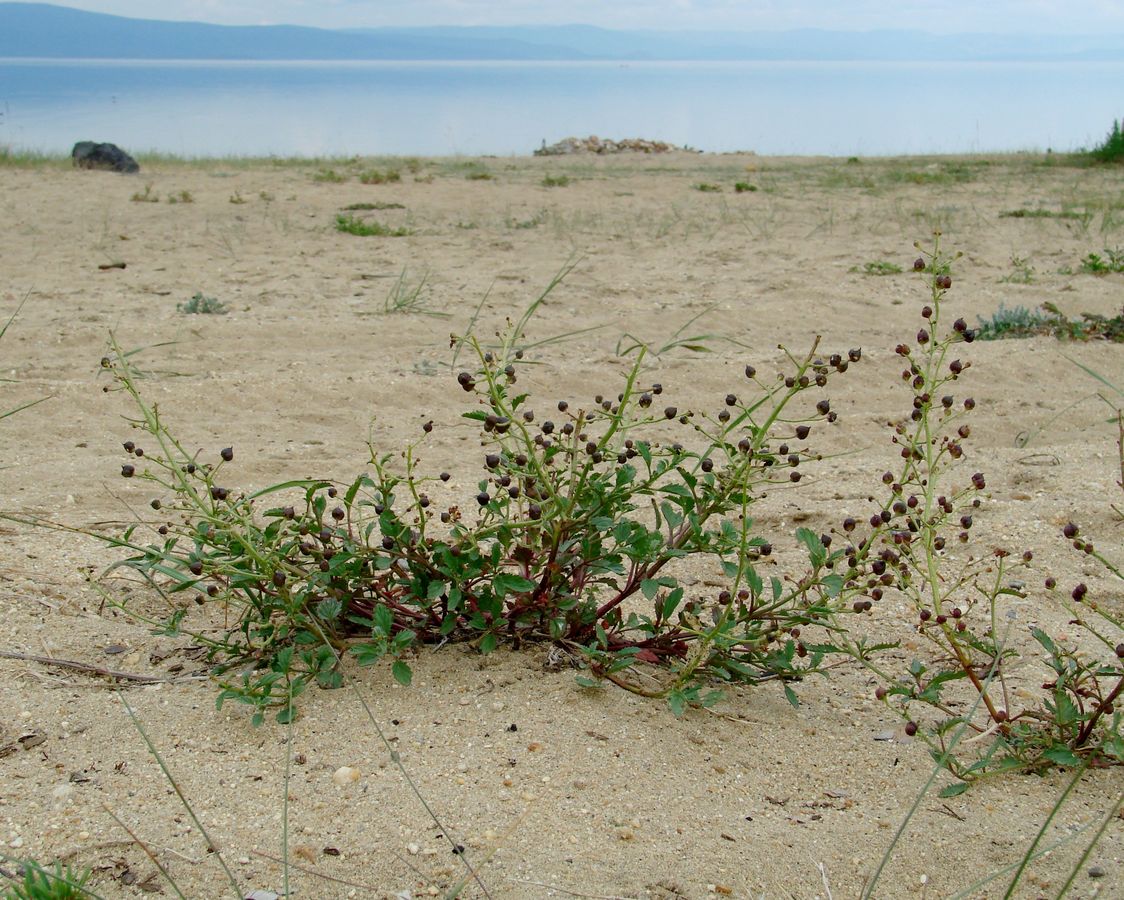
x=46, y=31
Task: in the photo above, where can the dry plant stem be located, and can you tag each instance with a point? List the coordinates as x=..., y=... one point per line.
x=373, y=891
x=148, y=852
x=397, y=760
x=183, y=800
x=76, y=666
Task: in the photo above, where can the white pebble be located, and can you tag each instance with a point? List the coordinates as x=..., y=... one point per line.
x=345, y=775
x=413, y=849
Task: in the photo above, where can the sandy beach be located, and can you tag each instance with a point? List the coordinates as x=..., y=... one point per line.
x=552, y=790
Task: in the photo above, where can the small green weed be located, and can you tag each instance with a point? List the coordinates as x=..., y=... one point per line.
x=878, y=267
x=552, y=181
x=1022, y=272
x=1020, y=322
x=405, y=297
x=237, y=199
x=200, y=305
x=39, y=883
x=329, y=176
x=1111, y=262
x=146, y=196
x=360, y=228
x=707, y=187
x=479, y=175
x=181, y=197
x=533, y=222
x=742, y=187
x=377, y=176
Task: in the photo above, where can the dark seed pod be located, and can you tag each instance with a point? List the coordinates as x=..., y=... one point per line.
x=848, y=524
x=196, y=567
x=482, y=498
x=670, y=412
x=911, y=728
x=731, y=400
x=492, y=460
x=155, y=504
x=657, y=388
x=919, y=265
x=855, y=354
x=750, y=372
x=534, y=511
x=278, y=578
x=823, y=407
x=227, y=453
x=1070, y=530
x=338, y=514
x=387, y=542
x=127, y=471
x=129, y=446
x=708, y=465
x=802, y=432
x=1079, y=592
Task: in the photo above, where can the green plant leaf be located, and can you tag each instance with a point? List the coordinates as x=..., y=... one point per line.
x=954, y=790
x=506, y=583
x=677, y=700
x=790, y=696
x=816, y=550
x=1063, y=756
x=402, y=673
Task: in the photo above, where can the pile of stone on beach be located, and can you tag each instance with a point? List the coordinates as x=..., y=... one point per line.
x=594, y=144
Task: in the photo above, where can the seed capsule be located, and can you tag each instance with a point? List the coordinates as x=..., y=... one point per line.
x=227, y=453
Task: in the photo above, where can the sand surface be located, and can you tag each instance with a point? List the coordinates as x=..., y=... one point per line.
x=553, y=790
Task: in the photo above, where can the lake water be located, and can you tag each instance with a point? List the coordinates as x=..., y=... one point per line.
x=342, y=108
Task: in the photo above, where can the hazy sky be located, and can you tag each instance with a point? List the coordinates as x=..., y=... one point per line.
x=1003, y=16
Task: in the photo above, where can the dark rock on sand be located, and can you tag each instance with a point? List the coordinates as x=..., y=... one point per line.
x=91, y=155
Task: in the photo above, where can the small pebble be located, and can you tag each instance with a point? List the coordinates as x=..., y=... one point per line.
x=345, y=775
x=15, y=843
x=413, y=849
x=497, y=705
x=464, y=701
x=1094, y=872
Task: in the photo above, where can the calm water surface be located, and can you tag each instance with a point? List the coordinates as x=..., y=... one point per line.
x=209, y=108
